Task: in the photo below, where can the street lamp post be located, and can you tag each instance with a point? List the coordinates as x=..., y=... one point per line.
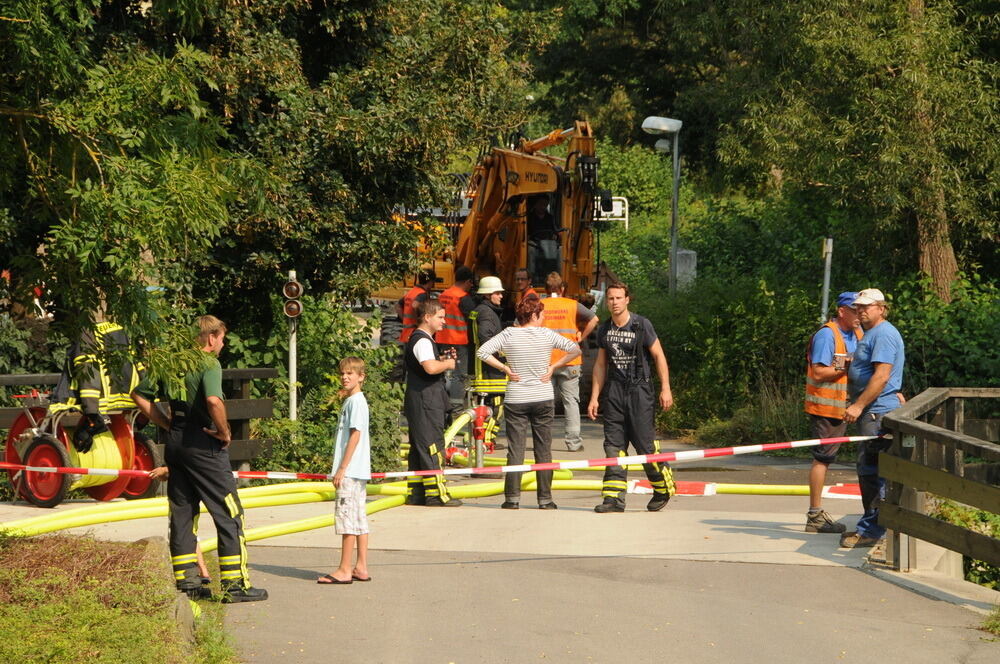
x=658, y=126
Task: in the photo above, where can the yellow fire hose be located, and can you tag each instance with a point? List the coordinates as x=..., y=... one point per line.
x=460, y=459
x=296, y=493
x=104, y=453
x=153, y=507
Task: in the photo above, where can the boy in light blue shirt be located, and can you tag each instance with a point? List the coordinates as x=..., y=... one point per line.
x=351, y=472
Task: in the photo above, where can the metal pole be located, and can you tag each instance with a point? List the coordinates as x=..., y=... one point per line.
x=673, y=213
x=293, y=369
x=828, y=257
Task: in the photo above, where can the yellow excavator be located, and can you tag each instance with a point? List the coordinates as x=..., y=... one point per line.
x=534, y=210
x=525, y=208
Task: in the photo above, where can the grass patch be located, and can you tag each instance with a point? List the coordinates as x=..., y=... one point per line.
x=214, y=645
x=992, y=622
x=76, y=599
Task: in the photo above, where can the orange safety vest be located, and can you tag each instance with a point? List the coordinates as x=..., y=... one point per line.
x=560, y=317
x=827, y=399
x=455, y=332
x=410, y=321
x=530, y=291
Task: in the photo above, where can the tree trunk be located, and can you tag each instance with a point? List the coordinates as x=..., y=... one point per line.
x=936, y=256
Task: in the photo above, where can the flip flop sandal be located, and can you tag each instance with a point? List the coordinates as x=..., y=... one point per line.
x=358, y=578
x=331, y=580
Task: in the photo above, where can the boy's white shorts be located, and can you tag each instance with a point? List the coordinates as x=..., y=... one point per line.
x=350, y=512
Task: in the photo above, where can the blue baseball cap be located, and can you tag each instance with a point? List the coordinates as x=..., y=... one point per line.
x=846, y=299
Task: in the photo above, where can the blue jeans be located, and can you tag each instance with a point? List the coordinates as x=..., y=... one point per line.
x=872, y=486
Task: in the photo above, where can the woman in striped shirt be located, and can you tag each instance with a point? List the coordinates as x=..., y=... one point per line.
x=528, y=402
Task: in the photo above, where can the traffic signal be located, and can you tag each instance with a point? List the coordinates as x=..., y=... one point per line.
x=292, y=290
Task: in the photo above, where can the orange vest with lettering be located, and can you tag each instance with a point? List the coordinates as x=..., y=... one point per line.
x=827, y=399
x=410, y=313
x=455, y=331
x=560, y=317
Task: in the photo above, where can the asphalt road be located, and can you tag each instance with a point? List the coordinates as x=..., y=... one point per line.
x=429, y=607
x=480, y=584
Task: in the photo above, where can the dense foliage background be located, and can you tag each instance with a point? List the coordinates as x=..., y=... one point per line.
x=166, y=159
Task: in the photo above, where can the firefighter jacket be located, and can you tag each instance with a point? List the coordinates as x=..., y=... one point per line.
x=827, y=399
x=485, y=324
x=87, y=384
x=455, y=331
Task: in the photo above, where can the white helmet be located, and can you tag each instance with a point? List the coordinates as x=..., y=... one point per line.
x=489, y=285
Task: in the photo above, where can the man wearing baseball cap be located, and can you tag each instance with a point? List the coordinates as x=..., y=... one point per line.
x=873, y=381
x=827, y=358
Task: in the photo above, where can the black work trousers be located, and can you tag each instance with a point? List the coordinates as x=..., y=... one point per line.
x=629, y=412
x=427, y=416
x=200, y=474
x=536, y=416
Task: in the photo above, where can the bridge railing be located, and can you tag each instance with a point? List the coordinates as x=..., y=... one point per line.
x=240, y=407
x=932, y=452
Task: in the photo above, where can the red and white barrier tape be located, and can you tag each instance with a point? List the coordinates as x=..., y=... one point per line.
x=690, y=455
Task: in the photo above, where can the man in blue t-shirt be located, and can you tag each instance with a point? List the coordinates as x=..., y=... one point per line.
x=874, y=380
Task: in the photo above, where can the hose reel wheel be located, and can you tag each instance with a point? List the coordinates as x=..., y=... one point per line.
x=44, y=489
x=147, y=457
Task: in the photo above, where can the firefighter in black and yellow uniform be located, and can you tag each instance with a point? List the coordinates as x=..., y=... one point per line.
x=484, y=324
x=88, y=384
x=426, y=407
x=198, y=459
x=623, y=393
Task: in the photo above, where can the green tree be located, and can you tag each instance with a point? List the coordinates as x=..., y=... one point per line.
x=883, y=112
x=876, y=107
x=204, y=146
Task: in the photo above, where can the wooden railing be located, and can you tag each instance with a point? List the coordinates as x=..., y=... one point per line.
x=240, y=408
x=931, y=453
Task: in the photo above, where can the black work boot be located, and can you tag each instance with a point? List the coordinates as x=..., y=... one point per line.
x=610, y=505
x=238, y=593
x=437, y=502
x=658, y=502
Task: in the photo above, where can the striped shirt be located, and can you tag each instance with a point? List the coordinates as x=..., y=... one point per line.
x=528, y=351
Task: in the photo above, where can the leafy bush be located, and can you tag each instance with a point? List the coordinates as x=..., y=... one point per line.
x=736, y=338
x=728, y=342
x=28, y=346
x=638, y=173
x=949, y=344
x=770, y=417
x=328, y=332
x=980, y=521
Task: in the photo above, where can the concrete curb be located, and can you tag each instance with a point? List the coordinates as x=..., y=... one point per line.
x=941, y=587
x=157, y=555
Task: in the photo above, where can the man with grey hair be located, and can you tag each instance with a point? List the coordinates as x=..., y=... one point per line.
x=874, y=380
